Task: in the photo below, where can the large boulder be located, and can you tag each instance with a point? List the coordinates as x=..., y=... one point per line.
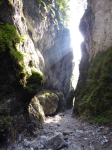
x=35, y=110
x=49, y=101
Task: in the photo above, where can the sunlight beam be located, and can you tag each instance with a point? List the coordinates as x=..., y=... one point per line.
x=77, y=8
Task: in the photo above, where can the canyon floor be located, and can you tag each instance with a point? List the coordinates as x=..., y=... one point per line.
x=66, y=132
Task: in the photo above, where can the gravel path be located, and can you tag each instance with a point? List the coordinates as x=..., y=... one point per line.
x=65, y=132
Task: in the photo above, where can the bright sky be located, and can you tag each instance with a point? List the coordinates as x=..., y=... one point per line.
x=77, y=11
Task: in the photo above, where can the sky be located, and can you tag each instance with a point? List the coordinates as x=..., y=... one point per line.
x=77, y=8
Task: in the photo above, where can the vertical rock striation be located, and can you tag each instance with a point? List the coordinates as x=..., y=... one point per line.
x=93, y=92
x=37, y=56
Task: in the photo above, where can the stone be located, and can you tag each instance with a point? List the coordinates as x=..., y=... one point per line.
x=65, y=144
x=26, y=143
x=58, y=124
x=104, y=141
x=80, y=131
x=35, y=110
x=73, y=147
x=107, y=130
x=54, y=142
x=66, y=132
x=49, y=101
x=19, y=138
x=92, y=147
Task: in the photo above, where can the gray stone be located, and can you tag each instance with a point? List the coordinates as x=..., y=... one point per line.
x=66, y=132
x=73, y=147
x=104, y=141
x=54, y=142
x=107, y=130
x=80, y=131
x=26, y=143
x=35, y=109
x=92, y=147
x=19, y=138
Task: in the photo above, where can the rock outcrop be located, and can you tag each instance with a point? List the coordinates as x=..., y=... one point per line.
x=35, y=53
x=93, y=92
x=96, y=27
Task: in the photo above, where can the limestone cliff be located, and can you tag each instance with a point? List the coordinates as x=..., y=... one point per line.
x=93, y=92
x=35, y=54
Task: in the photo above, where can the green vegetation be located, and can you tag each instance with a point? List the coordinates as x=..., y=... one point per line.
x=49, y=95
x=96, y=96
x=34, y=79
x=63, y=7
x=7, y=124
x=9, y=41
x=41, y=3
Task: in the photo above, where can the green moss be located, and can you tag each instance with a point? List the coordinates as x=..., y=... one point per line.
x=35, y=78
x=40, y=3
x=9, y=41
x=96, y=96
x=7, y=125
x=49, y=95
x=8, y=36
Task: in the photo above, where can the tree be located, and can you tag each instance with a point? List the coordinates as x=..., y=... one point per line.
x=63, y=7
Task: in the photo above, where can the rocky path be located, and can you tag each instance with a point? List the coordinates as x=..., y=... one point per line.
x=64, y=132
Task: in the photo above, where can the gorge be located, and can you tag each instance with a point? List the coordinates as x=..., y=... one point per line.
x=36, y=60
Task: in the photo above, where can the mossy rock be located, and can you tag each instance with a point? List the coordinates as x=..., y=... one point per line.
x=96, y=96
x=49, y=100
x=35, y=110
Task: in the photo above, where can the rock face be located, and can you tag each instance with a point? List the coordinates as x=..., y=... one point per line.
x=96, y=27
x=45, y=48
x=36, y=55
x=93, y=92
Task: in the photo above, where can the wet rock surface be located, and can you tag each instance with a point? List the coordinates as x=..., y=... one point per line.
x=65, y=132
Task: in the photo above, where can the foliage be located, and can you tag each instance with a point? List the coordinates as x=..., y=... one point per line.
x=49, y=95
x=97, y=94
x=63, y=7
x=40, y=3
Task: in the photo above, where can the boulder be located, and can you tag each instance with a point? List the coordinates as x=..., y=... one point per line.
x=35, y=110
x=54, y=142
x=49, y=101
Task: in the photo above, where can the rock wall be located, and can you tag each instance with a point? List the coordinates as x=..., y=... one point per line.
x=46, y=45
x=39, y=57
x=93, y=95
x=96, y=27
